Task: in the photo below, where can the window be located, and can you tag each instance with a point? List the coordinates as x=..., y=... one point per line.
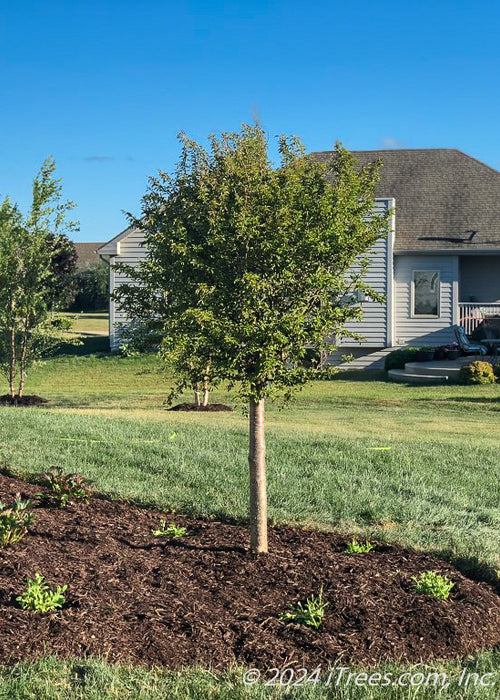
x=426, y=287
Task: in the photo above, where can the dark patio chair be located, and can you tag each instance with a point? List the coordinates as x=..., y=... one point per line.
x=467, y=346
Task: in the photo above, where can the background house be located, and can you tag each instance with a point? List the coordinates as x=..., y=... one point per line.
x=87, y=254
x=440, y=265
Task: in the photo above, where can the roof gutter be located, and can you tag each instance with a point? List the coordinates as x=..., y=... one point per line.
x=448, y=251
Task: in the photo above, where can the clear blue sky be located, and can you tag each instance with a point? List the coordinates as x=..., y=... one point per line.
x=104, y=86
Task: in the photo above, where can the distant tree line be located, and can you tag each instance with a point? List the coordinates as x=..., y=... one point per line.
x=90, y=288
x=76, y=289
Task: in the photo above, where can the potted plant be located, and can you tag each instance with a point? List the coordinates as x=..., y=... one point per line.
x=425, y=355
x=452, y=351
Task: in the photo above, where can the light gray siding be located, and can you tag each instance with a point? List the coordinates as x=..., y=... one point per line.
x=420, y=330
x=376, y=324
x=130, y=252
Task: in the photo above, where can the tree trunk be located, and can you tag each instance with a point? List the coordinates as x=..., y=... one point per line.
x=12, y=368
x=258, y=481
x=22, y=382
x=197, y=401
x=205, y=396
x=206, y=386
x=22, y=364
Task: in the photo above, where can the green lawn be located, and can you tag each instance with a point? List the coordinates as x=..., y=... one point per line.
x=89, y=322
x=436, y=487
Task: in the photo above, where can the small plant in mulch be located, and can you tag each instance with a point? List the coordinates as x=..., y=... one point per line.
x=356, y=547
x=433, y=584
x=65, y=489
x=38, y=596
x=14, y=521
x=170, y=530
x=310, y=614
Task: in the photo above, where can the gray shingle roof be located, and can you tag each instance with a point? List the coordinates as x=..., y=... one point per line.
x=87, y=254
x=442, y=195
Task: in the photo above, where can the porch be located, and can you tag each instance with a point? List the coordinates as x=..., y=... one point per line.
x=472, y=314
x=479, y=290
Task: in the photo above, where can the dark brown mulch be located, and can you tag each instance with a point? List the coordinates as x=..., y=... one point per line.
x=205, y=600
x=215, y=407
x=30, y=400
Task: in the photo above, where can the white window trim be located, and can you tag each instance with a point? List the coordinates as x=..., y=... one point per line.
x=412, y=300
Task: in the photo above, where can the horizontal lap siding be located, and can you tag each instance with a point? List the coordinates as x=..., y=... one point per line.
x=132, y=251
x=420, y=330
x=373, y=325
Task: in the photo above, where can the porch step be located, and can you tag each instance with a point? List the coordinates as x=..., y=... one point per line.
x=439, y=368
x=403, y=377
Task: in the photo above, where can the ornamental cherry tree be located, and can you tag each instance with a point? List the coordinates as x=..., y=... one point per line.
x=252, y=264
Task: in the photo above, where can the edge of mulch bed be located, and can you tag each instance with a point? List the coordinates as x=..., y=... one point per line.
x=212, y=407
x=29, y=400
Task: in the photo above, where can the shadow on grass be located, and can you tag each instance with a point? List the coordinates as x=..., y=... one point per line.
x=472, y=567
x=460, y=400
x=359, y=375
x=91, y=345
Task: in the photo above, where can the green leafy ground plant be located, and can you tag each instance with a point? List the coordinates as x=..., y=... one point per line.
x=170, y=530
x=310, y=614
x=38, y=596
x=14, y=521
x=356, y=547
x=433, y=584
x=65, y=489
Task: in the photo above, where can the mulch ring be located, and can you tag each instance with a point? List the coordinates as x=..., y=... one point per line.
x=204, y=599
x=29, y=400
x=211, y=407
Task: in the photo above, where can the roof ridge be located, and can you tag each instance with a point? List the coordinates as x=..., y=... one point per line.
x=414, y=150
x=393, y=150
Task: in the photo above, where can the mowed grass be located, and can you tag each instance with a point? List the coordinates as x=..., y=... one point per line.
x=93, y=679
x=414, y=465
x=88, y=322
x=418, y=465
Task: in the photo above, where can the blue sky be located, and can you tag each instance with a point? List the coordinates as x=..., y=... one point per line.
x=106, y=86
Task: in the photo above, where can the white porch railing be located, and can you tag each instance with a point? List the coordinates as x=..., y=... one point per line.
x=472, y=313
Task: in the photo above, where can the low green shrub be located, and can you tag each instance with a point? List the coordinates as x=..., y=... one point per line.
x=170, y=530
x=398, y=358
x=39, y=598
x=477, y=373
x=14, y=521
x=496, y=371
x=433, y=584
x=65, y=489
x=311, y=614
x=356, y=547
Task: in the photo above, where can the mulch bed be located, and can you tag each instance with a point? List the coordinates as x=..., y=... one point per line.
x=204, y=599
x=214, y=407
x=30, y=400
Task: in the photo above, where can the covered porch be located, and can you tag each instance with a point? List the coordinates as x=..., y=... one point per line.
x=479, y=290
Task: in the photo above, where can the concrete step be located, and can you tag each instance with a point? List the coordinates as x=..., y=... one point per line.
x=439, y=368
x=404, y=377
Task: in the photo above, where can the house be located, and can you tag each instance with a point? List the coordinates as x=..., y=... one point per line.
x=439, y=266
x=86, y=255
